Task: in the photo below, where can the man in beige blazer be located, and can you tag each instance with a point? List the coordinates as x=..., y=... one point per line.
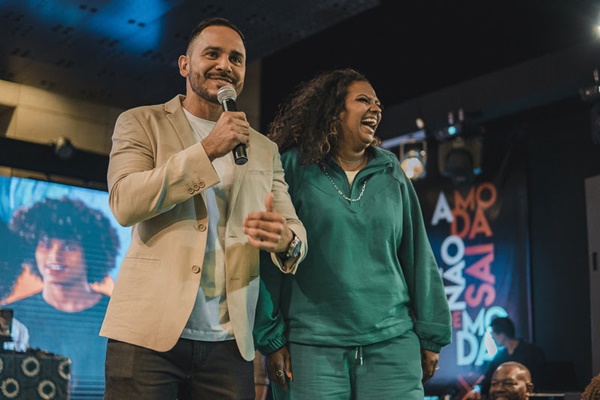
x=181, y=314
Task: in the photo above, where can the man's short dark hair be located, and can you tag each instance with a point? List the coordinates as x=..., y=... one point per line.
x=503, y=325
x=214, y=21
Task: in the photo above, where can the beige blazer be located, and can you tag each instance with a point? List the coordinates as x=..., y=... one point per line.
x=156, y=177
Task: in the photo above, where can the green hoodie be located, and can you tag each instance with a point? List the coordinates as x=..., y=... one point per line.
x=370, y=274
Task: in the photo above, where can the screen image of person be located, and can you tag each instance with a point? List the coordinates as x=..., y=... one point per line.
x=181, y=314
x=366, y=315
x=71, y=246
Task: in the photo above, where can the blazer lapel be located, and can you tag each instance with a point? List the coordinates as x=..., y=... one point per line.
x=180, y=123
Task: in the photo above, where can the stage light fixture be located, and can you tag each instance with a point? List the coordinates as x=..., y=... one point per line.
x=413, y=159
x=63, y=148
x=460, y=159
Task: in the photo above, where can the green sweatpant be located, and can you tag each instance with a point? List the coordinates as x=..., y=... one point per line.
x=386, y=370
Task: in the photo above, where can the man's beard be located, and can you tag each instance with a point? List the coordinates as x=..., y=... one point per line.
x=201, y=90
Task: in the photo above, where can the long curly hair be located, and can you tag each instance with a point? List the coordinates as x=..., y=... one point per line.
x=592, y=390
x=309, y=117
x=69, y=219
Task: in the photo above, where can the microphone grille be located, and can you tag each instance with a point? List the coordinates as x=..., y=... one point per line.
x=226, y=93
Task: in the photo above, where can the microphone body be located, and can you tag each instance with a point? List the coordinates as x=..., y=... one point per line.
x=226, y=96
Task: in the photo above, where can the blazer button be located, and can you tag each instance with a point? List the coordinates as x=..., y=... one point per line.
x=201, y=184
x=190, y=190
x=201, y=227
x=196, y=187
x=195, y=269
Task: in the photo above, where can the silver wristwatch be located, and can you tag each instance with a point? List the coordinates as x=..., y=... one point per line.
x=294, y=248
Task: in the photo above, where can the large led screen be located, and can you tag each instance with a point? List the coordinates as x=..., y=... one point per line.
x=60, y=252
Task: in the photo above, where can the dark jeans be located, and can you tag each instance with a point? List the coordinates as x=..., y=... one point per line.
x=191, y=370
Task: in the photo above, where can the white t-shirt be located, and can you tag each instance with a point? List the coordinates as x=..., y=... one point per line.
x=209, y=320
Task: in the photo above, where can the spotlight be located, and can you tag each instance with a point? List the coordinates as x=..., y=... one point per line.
x=455, y=127
x=63, y=148
x=413, y=159
x=460, y=159
x=449, y=131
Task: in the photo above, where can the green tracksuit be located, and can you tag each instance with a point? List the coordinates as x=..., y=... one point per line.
x=370, y=274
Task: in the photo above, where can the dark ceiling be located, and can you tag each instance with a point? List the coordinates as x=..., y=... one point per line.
x=124, y=52
x=409, y=49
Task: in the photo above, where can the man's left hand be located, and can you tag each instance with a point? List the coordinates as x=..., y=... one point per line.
x=268, y=230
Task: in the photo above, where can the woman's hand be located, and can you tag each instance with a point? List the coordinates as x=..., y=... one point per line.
x=279, y=367
x=429, y=362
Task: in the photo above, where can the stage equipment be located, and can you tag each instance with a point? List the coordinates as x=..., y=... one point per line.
x=411, y=149
x=460, y=159
x=413, y=159
x=63, y=148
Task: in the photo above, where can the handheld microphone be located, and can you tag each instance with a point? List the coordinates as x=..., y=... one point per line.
x=226, y=96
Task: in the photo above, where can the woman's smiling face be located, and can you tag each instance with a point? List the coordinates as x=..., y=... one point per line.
x=361, y=116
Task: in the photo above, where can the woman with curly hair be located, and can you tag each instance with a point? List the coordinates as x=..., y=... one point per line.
x=72, y=246
x=366, y=315
x=592, y=390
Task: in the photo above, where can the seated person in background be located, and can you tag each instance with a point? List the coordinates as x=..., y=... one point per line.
x=10, y=269
x=509, y=349
x=19, y=334
x=511, y=381
x=592, y=390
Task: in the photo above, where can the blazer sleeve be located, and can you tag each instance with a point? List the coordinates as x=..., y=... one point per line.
x=150, y=170
x=283, y=204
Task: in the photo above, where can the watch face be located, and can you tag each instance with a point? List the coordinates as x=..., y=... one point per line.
x=295, y=247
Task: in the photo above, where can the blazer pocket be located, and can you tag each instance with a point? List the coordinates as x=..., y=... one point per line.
x=259, y=181
x=140, y=278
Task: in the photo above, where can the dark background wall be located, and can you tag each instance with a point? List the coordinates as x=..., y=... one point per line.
x=561, y=155
x=556, y=142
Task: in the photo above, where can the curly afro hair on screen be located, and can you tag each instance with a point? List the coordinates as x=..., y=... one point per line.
x=73, y=220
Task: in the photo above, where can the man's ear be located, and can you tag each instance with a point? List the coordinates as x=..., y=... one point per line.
x=183, y=63
x=529, y=387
